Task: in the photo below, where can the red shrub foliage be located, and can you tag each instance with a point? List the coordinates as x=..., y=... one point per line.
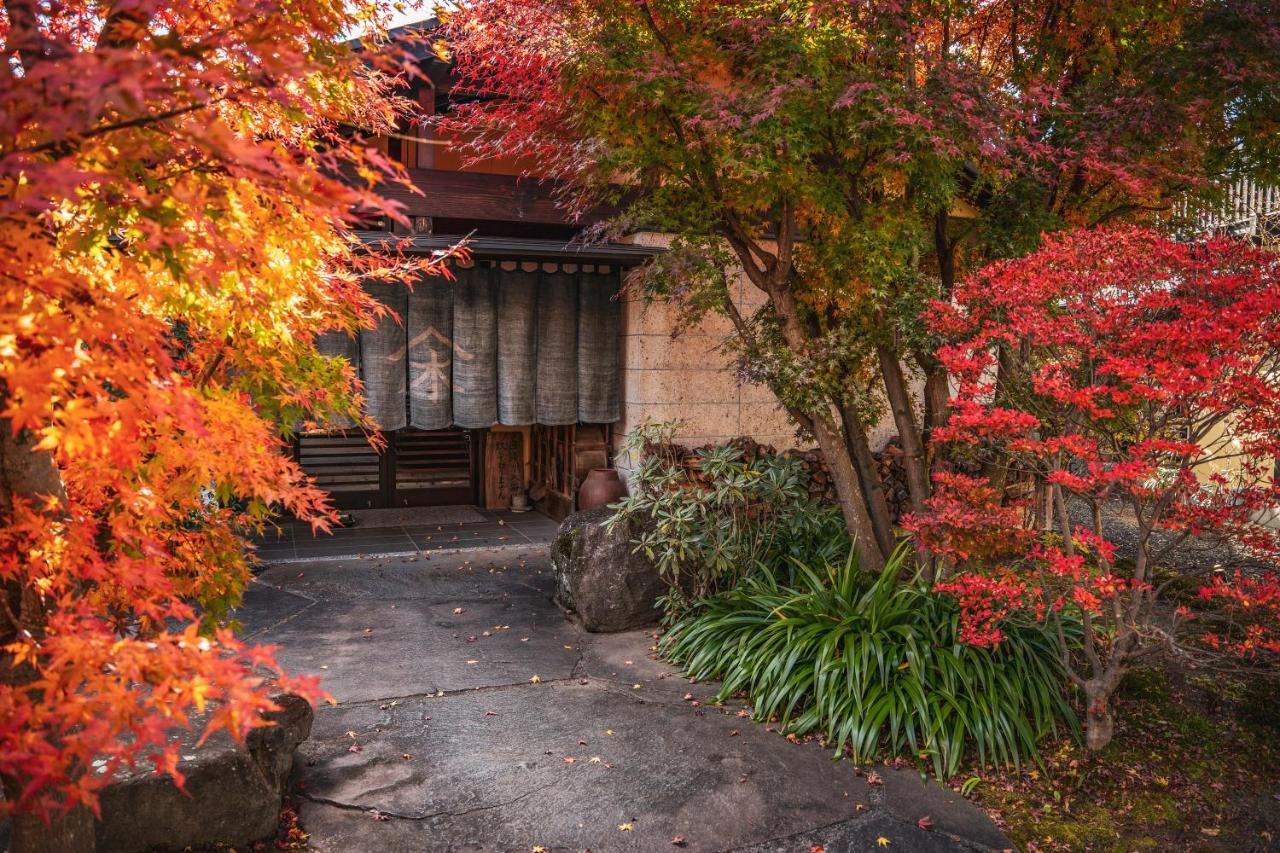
x=1113, y=368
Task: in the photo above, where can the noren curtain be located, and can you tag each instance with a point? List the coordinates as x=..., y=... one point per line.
x=492, y=346
x=383, y=359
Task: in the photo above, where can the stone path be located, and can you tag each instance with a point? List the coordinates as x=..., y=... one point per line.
x=472, y=715
x=295, y=542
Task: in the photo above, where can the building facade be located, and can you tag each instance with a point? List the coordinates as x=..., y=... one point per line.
x=526, y=371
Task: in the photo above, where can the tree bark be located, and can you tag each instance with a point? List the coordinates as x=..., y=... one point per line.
x=996, y=471
x=869, y=477
x=937, y=398
x=1100, y=724
x=914, y=462
x=849, y=492
x=1100, y=715
x=26, y=473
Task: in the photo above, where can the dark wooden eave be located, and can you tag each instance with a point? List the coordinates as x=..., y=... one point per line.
x=515, y=248
x=476, y=196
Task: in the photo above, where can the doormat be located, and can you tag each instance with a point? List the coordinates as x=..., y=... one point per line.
x=414, y=516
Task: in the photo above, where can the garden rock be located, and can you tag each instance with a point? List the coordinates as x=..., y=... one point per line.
x=598, y=576
x=232, y=798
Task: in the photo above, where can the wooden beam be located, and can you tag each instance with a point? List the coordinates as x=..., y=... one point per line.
x=471, y=195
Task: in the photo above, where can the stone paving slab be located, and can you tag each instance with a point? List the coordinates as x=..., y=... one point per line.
x=399, y=536
x=442, y=739
x=485, y=574
x=413, y=647
x=491, y=767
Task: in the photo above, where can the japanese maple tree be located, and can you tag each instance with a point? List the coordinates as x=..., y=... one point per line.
x=1116, y=373
x=174, y=232
x=852, y=158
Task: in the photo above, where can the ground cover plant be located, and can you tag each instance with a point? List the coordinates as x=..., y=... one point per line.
x=876, y=665
x=1194, y=768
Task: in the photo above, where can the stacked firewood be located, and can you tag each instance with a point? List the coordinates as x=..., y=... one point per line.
x=751, y=449
x=821, y=486
x=893, y=478
x=888, y=466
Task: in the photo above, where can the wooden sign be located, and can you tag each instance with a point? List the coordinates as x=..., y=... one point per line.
x=503, y=468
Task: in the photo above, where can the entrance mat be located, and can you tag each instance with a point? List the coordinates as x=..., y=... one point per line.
x=415, y=515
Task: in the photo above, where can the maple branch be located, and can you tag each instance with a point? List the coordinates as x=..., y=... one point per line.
x=63, y=147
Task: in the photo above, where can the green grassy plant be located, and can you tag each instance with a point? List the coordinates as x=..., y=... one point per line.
x=874, y=664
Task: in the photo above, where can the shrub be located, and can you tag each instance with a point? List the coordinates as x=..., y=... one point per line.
x=710, y=517
x=876, y=664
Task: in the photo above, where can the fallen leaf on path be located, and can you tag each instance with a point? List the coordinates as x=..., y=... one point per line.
x=625, y=827
x=873, y=778
x=678, y=840
x=925, y=823
x=459, y=610
x=536, y=679
x=569, y=759
x=882, y=841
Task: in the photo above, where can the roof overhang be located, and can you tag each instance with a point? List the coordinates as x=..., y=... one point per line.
x=514, y=248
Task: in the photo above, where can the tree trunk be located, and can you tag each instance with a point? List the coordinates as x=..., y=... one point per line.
x=914, y=463
x=1100, y=718
x=848, y=490
x=996, y=471
x=869, y=477
x=937, y=400
x=31, y=474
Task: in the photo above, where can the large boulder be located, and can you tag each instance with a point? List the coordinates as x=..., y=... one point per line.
x=599, y=577
x=232, y=798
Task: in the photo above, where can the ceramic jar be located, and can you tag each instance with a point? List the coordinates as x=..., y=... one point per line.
x=603, y=486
